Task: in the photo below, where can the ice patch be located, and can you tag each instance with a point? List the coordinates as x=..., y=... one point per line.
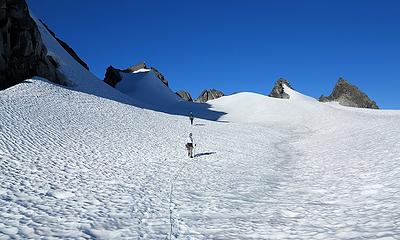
x=60, y=194
x=141, y=70
x=288, y=213
x=371, y=189
x=103, y=234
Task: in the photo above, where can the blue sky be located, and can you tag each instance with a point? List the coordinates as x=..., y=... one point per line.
x=239, y=45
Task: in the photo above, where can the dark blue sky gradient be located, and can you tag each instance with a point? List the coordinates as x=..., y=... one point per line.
x=239, y=45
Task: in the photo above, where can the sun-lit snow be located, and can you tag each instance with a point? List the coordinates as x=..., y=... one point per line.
x=86, y=162
x=141, y=70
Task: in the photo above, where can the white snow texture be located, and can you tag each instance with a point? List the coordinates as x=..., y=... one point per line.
x=91, y=162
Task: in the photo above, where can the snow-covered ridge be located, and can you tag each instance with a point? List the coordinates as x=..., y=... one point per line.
x=144, y=86
x=81, y=78
x=296, y=96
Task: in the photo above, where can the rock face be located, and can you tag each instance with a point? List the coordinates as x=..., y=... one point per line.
x=160, y=76
x=278, y=90
x=113, y=76
x=22, y=53
x=185, y=95
x=136, y=67
x=66, y=47
x=349, y=95
x=209, y=94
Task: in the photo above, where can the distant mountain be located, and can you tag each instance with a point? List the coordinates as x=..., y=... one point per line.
x=145, y=85
x=113, y=76
x=278, y=89
x=209, y=94
x=349, y=95
x=185, y=95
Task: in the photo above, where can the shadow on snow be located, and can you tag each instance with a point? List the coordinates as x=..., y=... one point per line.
x=182, y=108
x=204, y=154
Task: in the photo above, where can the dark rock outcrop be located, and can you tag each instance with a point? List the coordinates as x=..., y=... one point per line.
x=113, y=76
x=66, y=47
x=349, y=95
x=278, y=90
x=209, y=94
x=22, y=52
x=185, y=95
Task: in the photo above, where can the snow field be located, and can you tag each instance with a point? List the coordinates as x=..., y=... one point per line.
x=77, y=165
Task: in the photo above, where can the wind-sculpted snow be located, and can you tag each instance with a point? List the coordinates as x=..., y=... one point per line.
x=76, y=165
x=68, y=171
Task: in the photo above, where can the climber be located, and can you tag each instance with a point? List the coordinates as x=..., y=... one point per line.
x=191, y=118
x=190, y=145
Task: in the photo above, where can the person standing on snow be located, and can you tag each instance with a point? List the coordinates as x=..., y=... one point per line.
x=191, y=118
x=190, y=145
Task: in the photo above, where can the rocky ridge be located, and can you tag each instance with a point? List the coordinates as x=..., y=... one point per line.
x=22, y=52
x=349, y=95
x=209, y=94
x=185, y=95
x=113, y=76
x=278, y=89
x=66, y=47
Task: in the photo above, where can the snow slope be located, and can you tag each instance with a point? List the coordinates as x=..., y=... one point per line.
x=144, y=86
x=147, y=91
x=83, y=162
x=83, y=80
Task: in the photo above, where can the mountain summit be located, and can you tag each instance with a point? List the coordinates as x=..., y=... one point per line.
x=113, y=75
x=349, y=95
x=209, y=94
x=184, y=95
x=278, y=91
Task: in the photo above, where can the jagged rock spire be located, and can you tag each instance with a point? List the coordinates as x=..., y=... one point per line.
x=278, y=89
x=209, y=94
x=185, y=95
x=349, y=95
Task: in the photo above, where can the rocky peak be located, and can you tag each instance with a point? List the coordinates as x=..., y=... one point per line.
x=209, y=94
x=134, y=68
x=278, y=89
x=66, y=47
x=22, y=52
x=185, y=95
x=349, y=95
x=113, y=76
